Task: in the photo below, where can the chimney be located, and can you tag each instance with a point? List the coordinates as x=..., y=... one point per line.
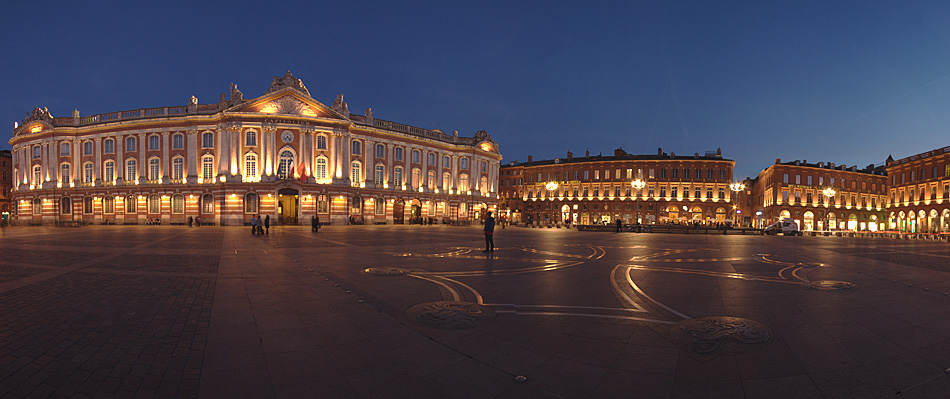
x=831, y=165
x=659, y=151
x=619, y=152
x=570, y=154
x=529, y=159
x=778, y=161
x=804, y=162
x=587, y=153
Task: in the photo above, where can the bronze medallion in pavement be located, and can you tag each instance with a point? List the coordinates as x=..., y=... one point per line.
x=385, y=271
x=720, y=335
x=829, y=285
x=449, y=315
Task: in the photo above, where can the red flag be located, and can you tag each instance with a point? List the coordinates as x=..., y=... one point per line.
x=300, y=171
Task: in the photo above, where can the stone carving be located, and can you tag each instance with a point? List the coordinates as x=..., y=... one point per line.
x=38, y=114
x=385, y=271
x=236, y=95
x=720, y=335
x=289, y=105
x=449, y=315
x=288, y=80
x=829, y=285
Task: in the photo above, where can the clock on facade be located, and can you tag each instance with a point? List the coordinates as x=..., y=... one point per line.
x=287, y=136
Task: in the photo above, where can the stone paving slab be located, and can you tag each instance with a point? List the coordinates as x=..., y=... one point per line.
x=213, y=312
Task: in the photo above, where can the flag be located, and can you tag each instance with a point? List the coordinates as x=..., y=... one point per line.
x=300, y=171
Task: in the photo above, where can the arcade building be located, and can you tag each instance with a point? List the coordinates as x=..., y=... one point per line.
x=919, y=192
x=282, y=154
x=650, y=189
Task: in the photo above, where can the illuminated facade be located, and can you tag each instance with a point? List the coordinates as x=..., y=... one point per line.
x=919, y=192
x=820, y=196
x=6, y=185
x=282, y=154
x=601, y=189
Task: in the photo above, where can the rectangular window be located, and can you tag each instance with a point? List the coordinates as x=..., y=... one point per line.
x=798, y=179
x=676, y=174
x=596, y=175
x=398, y=153
x=64, y=149
x=709, y=174
x=673, y=191
x=130, y=144
x=662, y=173
x=109, y=146
x=784, y=197
x=686, y=173
x=108, y=205
x=250, y=138
x=629, y=173
x=697, y=193
x=178, y=141
x=722, y=174
x=651, y=173
x=357, y=147
x=207, y=140
x=416, y=156
x=663, y=191
x=153, y=143
x=87, y=148
x=323, y=204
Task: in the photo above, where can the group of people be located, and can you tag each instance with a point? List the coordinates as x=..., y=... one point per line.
x=260, y=226
x=195, y=220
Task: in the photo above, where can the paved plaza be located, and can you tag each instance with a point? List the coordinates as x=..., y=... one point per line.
x=422, y=312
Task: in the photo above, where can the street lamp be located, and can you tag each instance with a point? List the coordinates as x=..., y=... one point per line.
x=736, y=188
x=828, y=193
x=638, y=185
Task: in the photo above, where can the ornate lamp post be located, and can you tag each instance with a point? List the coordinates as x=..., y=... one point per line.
x=638, y=185
x=828, y=193
x=736, y=188
x=552, y=186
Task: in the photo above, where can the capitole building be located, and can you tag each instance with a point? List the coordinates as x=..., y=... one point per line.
x=601, y=189
x=283, y=154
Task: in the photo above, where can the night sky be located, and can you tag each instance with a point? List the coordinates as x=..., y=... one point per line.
x=843, y=82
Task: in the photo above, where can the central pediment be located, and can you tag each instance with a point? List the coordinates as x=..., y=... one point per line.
x=287, y=101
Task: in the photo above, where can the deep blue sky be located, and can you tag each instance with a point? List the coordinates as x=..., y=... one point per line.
x=844, y=82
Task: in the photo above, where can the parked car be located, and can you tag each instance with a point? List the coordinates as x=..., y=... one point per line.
x=786, y=226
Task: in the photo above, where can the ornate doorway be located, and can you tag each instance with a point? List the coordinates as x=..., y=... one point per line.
x=399, y=208
x=287, y=206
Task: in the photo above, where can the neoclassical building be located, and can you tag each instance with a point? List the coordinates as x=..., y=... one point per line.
x=600, y=189
x=919, y=192
x=819, y=196
x=282, y=154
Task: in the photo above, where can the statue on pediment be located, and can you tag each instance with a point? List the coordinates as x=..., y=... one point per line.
x=38, y=114
x=288, y=80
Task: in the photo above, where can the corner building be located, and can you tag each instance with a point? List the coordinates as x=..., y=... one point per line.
x=820, y=196
x=919, y=192
x=599, y=189
x=282, y=154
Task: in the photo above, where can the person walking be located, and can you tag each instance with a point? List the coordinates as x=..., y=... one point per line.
x=254, y=225
x=315, y=223
x=619, y=225
x=267, y=225
x=489, y=231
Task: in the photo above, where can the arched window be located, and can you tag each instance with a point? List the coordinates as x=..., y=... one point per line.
x=178, y=168
x=207, y=203
x=397, y=153
x=109, y=171
x=431, y=159
x=416, y=178
x=463, y=163
x=463, y=183
x=65, y=205
x=250, y=166
x=108, y=204
x=462, y=210
x=130, y=144
x=207, y=168
x=321, y=142
x=64, y=173
x=131, y=171
x=87, y=172
x=357, y=147
x=446, y=181
x=416, y=156
x=178, y=203
x=153, y=169
x=380, y=151
x=323, y=203
x=397, y=177
x=108, y=146
x=250, y=203
x=130, y=204
x=87, y=205
x=356, y=172
x=430, y=180
x=37, y=175
x=207, y=140
x=37, y=206
x=446, y=162
x=285, y=168
x=483, y=187
x=153, y=142
x=356, y=205
x=320, y=171
x=379, y=175
x=250, y=138
x=154, y=204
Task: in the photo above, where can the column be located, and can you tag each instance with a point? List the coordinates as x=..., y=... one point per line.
x=235, y=133
x=163, y=171
x=120, y=159
x=97, y=163
x=54, y=156
x=368, y=168
x=222, y=153
x=191, y=158
x=142, y=162
x=76, y=170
